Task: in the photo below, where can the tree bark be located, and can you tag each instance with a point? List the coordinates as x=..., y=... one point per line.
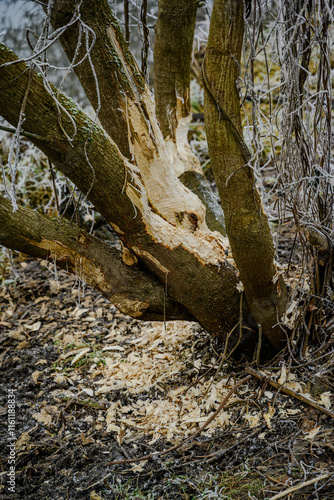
x=174, y=34
x=246, y=223
x=110, y=74
x=168, y=234
x=119, y=93
x=123, y=91
x=134, y=290
x=173, y=46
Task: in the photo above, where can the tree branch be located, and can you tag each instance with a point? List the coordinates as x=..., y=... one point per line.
x=174, y=33
x=134, y=290
x=110, y=74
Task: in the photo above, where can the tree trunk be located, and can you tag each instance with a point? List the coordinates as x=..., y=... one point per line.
x=173, y=49
x=173, y=45
x=246, y=223
x=121, y=100
x=134, y=183
x=168, y=235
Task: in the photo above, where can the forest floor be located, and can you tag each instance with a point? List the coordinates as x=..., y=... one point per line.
x=93, y=386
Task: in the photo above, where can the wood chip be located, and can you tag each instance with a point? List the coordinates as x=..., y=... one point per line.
x=80, y=355
x=113, y=348
x=35, y=376
x=35, y=326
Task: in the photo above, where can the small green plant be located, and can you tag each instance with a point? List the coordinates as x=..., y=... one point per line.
x=232, y=486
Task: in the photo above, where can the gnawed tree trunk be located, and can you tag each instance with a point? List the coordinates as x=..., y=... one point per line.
x=112, y=65
x=172, y=240
x=246, y=223
x=134, y=183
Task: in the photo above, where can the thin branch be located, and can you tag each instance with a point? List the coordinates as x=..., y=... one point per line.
x=146, y=31
x=290, y=392
x=300, y=486
x=126, y=20
x=54, y=186
x=26, y=134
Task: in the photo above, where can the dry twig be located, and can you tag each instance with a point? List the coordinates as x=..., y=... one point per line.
x=299, y=486
x=290, y=392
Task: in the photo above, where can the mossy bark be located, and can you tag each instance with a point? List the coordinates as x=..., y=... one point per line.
x=173, y=47
x=246, y=223
x=110, y=73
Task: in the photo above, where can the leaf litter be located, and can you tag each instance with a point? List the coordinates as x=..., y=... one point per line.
x=101, y=385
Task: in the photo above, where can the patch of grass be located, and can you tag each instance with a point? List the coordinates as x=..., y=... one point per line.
x=232, y=485
x=128, y=491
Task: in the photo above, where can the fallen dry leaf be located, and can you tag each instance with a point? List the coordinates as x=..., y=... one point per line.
x=16, y=336
x=23, y=345
x=35, y=376
x=313, y=432
x=34, y=327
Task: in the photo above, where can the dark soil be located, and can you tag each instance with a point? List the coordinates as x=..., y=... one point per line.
x=67, y=456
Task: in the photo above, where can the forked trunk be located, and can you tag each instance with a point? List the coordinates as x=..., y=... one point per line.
x=130, y=171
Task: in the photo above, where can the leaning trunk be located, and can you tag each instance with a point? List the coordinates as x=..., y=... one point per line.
x=246, y=222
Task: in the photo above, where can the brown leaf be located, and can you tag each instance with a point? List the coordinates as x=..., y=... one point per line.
x=312, y=306
x=23, y=345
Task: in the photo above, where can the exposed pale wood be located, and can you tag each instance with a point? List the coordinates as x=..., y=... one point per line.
x=197, y=433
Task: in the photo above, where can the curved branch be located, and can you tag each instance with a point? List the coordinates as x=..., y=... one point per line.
x=77, y=147
x=134, y=291
x=109, y=74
